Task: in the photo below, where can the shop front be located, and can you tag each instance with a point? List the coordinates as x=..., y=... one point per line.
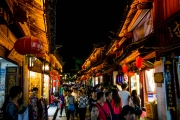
x=35, y=80
x=9, y=74
x=149, y=96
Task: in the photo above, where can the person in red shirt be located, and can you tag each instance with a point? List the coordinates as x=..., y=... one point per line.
x=53, y=99
x=104, y=111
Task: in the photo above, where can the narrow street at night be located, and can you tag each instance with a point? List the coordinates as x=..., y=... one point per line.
x=89, y=60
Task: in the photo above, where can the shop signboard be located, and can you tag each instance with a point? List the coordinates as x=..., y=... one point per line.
x=174, y=28
x=168, y=67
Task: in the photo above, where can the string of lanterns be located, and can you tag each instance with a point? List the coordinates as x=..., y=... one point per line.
x=55, y=76
x=139, y=64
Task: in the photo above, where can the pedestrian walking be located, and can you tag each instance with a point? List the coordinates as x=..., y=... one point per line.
x=70, y=105
x=82, y=104
x=125, y=95
x=116, y=104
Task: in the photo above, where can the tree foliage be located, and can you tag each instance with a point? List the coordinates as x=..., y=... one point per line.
x=78, y=63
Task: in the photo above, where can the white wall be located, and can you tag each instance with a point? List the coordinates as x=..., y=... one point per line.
x=163, y=113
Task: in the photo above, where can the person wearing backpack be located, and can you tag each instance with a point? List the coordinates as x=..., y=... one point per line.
x=135, y=102
x=70, y=105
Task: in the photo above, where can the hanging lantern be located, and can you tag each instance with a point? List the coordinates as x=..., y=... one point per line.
x=139, y=62
x=83, y=78
x=59, y=83
x=83, y=67
x=54, y=77
x=98, y=74
x=54, y=83
x=28, y=45
x=58, y=77
x=124, y=68
x=53, y=73
x=131, y=73
x=120, y=79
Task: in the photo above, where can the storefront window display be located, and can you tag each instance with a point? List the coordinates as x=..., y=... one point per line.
x=35, y=81
x=151, y=89
x=135, y=83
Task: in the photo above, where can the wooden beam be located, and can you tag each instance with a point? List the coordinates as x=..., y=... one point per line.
x=131, y=57
x=25, y=28
x=120, y=43
x=150, y=55
x=134, y=19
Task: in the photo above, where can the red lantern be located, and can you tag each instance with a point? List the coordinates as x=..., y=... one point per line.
x=98, y=74
x=53, y=73
x=28, y=45
x=59, y=77
x=130, y=73
x=83, y=78
x=124, y=68
x=54, y=83
x=54, y=77
x=59, y=84
x=83, y=67
x=139, y=62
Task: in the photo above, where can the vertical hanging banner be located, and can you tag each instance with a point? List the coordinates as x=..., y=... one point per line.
x=171, y=103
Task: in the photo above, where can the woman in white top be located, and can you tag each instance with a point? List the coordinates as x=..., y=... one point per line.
x=124, y=95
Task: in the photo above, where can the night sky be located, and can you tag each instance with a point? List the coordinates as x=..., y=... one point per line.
x=80, y=24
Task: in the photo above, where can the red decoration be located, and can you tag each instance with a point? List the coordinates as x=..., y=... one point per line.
x=53, y=73
x=58, y=77
x=28, y=45
x=98, y=74
x=130, y=73
x=59, y=84
x=139, y=62
x=124, y=68
x=83, y=67
x=83, y=78
x=54, y=83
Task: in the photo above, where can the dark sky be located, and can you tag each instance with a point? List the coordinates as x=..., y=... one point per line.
x=80, y=24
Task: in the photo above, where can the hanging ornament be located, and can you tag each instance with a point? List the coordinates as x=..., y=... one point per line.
x=139, y=62
x=131, y=73
x=53, y=73
x=59, y=84
x=124, y=68
x=120, y=79
x=58, y=77
x=54, y=83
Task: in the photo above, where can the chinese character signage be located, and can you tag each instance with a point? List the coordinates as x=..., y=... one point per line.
x=168, y=67
x=174, y=28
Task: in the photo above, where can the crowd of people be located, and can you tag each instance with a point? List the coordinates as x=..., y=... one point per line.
x=15, y=108
x=103, y=103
